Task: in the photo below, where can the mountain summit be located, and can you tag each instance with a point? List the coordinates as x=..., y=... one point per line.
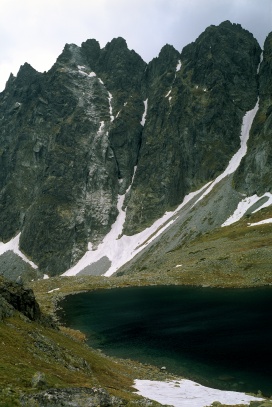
x=97, y=153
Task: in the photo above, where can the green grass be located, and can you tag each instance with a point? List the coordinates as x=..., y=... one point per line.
x=65, y=360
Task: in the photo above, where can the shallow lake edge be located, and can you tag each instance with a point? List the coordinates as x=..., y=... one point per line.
x=51, y=292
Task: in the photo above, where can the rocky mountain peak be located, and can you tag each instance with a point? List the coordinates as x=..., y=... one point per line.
x=26, y=71
x=102, y=123
x=220, y=56
x=70, y=56
x=115, y=44
x=91, y=50
x=163, y=67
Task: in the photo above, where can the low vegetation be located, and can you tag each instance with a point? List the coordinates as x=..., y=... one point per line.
x=234, y=256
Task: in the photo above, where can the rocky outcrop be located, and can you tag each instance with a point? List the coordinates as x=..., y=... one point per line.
x=14, y=297
x=72, y=397
x=73, y=138
x=14, y=268
x=254, y=173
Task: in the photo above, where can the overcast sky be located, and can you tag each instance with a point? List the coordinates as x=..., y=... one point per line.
x=35, y=31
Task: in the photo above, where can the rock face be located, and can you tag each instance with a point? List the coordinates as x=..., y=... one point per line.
x=254, y=174
x=13, y=268
x=74, y=138
x=195, y=110
x=79, y=397
x=61, y=176
x=15, y=297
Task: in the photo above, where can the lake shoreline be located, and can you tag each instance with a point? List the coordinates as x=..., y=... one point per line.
x=51, y=291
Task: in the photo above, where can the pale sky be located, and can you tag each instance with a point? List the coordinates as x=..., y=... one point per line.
x=35, y=31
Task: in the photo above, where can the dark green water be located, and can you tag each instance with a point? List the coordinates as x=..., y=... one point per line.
x=218, y=337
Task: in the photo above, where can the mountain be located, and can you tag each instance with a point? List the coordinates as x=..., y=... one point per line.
x=105, y=157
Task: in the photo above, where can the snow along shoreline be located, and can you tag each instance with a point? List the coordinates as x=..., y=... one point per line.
x=186, y=393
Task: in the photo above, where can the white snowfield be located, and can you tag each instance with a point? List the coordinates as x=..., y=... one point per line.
x=186, y=393
x=13, y=245
x=245, y=204
x=262, y=222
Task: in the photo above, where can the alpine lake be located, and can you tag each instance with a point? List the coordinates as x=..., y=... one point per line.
x=220, y=338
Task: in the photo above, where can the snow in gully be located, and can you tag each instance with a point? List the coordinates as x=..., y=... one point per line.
x=119, y=248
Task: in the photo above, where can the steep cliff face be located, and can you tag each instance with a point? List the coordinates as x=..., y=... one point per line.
x=196, y=102
x=74, y=138
x=254, y=174
x=61, y=143
x=18, y=179
x=61, y=175
x=76, y=200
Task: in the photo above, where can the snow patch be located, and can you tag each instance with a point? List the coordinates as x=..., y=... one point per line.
x=110, y=106
x=177, y=69
x=145, y=112
x=178, y=66
x=92, y=74
x=13, y=245
x=118, y=248
x=51, y=291
x=187, y=393
x=45, y=276
x=81, y=70
x=245, y=204
x=236, y=159
x=100, y=130
x=262, y=222
x=265, y=204
x=261, y=60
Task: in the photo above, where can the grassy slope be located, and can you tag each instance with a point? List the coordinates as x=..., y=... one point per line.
x=28, y=347
x=233, y=256
x=236, y=256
